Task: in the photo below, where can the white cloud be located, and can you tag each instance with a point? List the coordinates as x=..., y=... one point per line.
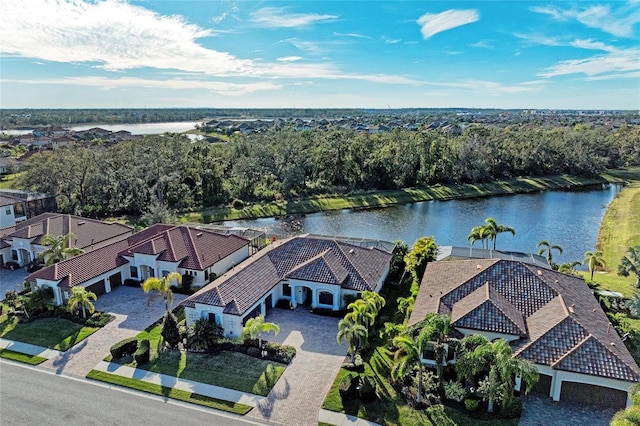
x=354, y=35
x=592, y=45
x=618, y=22
x=289, y=59
x=588, y=44
x=434, y=23
x=276, y=17
x=619, y=63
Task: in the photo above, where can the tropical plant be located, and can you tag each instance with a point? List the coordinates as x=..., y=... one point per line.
x=161, y=288
x=39, y=299
x=82, y=298
x=405, y=306
x=435, y=328
x=630, y=263
x=479, y=233
x=373, y=301
x=494, y=229
x=203, y=334
x=545, y=246
x=408, y=357
x=569, y=267
x=594, y=260
x=58, y=248
x=360, y=313
x=424, y=250
x=254, y=328
x=353, y=334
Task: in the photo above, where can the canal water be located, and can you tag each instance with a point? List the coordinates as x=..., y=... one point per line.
x=569, y=219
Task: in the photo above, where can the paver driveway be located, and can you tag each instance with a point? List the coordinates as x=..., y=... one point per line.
x=129, y=306
x=297, y=397
x=542, y=411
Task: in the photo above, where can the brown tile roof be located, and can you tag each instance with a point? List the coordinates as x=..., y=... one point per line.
x=308, y=258
x=88, y=231
x=564, y=325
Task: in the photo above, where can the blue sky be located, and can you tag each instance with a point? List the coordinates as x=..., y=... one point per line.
x=320, y=54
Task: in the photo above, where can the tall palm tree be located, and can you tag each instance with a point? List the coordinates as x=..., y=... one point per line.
x=408, y=357
x=436, y=331
x=545, y=247
x=58, y=248
x=83, y=298
x=374, y=302
x=479, y=233
x=161, y=288
x=630, y=263
x=360, y=313
x=255, y=326
x=494, y=229
x=353, y=334
x=594, y=260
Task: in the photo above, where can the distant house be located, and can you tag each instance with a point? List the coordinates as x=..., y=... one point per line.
x=310, y=270
x=153, y=252
x=460, y=253
x=548, y=318
x=120, y=135
x=24, y=205
x=62, y=142
x=97, y=132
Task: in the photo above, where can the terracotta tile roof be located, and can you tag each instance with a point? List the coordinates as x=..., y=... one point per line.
x=89, y=232
x=564, y=325
x=487, y=307
x=323, y=259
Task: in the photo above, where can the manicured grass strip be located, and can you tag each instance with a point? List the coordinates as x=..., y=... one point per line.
x=53, y=333
x=20, y=357
x=169, y=392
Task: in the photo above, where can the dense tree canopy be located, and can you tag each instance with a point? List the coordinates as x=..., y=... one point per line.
x=284, y=164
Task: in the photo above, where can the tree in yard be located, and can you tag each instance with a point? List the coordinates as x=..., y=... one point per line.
x=170, y=331
x=82, y=298
x=634, y=305
x=58, y=248
x=630, y=263
x=424, y=250
x=479, y=233
x=254, y=328
x=203, y=334
x=374, y=302
x=545, y=247
x=408, y=357
x=360, y=313
x=353, y=334
x=435, y=328
x=494, y=229
x=161, y=288
x=594, y=260
x=569, y=267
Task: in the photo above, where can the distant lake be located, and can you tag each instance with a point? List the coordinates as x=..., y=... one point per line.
x=569, y=219
x=144, y=128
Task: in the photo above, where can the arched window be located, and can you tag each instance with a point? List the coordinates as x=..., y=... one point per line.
x=325, y=298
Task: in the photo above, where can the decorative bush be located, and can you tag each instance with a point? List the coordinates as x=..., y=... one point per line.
x=357, y=364
x=254, y=352
x=279, y=353
x=511, y=408
x=345, y=389
x=471, y=404
x=170, y=331
x=203, y=335
x=124, y=348
x=142, y=354
x=367, y=391
x=454, y=390
x=99, y=319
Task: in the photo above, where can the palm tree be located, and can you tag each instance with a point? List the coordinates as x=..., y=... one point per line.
x=374, y=302
x=83, y=298
x=479, y=233
x=161, y=287
x=353, y=334
x=630, y=263
x=360, y=313
x=58, y=248
x=494, y=229
x=254, y=328
x=545, y=247
x=569, y=267
x=436, y=331
x=408, y=357
x=594, y=260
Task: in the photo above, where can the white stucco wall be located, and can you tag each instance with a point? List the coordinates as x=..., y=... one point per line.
x=7, y=217
x=297, y=291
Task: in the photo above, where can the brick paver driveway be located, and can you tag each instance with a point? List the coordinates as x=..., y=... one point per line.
x=300, y=392
x=542, y=411
x=129, y=306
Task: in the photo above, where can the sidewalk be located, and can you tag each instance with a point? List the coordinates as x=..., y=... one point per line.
x=339, y=419
x=29, y=349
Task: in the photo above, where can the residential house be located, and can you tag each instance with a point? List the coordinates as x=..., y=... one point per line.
x=460, y=253
x=311, y=270
x=62, y=142
x=21, y=205
x=153, y=252
x=23, y=241
x=549, y=318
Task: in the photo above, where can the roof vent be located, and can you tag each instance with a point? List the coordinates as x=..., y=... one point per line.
x=81, y=223
x=571, y=310
x=199, y=234
x=556, y=281
x=613, y=344
x=351, y=251
x=478, y=266
x=539, y=272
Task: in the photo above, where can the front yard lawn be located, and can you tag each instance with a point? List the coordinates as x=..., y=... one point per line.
x=17, y=356
x=53, y=333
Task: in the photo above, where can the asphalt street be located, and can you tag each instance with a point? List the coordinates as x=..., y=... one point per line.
x=31, y=396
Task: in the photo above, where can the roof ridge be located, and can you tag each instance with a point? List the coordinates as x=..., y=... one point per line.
x=505, y=313
x=195, y=250
x=572, y=350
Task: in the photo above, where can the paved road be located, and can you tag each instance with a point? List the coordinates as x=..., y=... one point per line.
x=29, y=396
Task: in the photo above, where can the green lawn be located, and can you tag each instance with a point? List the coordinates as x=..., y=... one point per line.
x=6, y=181
x=230, y=370
x=169, y=392
x=17, y=356
x=53, y=333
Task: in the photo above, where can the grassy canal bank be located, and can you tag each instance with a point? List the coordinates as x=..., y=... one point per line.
x=392, y=197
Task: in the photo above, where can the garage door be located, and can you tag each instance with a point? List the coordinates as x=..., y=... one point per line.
x=98, y=288
x=591, y=394
x=115, y=280
x=543, y=386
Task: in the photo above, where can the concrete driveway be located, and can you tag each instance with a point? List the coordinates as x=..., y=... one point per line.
x=298, y=396
x=11, y=280
x=129, y=306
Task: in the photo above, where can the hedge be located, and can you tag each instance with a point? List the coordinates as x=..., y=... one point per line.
x=124, y=348
x=142, y=354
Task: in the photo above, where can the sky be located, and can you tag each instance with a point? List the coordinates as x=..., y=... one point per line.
x=320, y=54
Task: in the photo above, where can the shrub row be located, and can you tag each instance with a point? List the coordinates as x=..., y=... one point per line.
x=124, y=348
x=274, y=351
x=353, y=386
x=141, y=356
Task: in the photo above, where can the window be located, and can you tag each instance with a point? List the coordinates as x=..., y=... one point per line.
x=133, y=270
x=325, y=298
x=212, y=318
x=206, y=274
x=7, y=210
x=286, y=290
x=165, y=273
x=14, y=255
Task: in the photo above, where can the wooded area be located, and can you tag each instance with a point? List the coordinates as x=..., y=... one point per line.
x=171, y=171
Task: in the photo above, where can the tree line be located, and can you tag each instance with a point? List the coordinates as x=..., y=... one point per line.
x=170, y=170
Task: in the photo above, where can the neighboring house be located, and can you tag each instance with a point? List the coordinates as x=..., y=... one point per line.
x=549, y=318
x=120, y=135
x=11, y=211
x=32, y=203
x=62, y=142
x=460, y=253
x=153, y=252
x=23, y=241
x=7, y=165
x=311, y=270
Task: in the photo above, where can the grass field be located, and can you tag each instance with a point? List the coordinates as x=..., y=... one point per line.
x=53, y=333
x=20, y=357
